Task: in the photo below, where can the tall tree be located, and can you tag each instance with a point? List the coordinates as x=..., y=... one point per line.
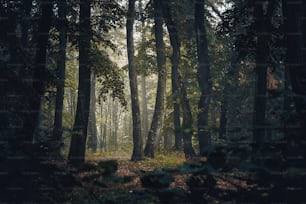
x=203, y=74
x=156, y=124
x=22, y=85
x=78, y=141
x=143, y=82
x=262, y=26
x=175, y=61
x=61, y=67
x=230, y=84
x=295, y=61
x=40, y=73
x=137, y=139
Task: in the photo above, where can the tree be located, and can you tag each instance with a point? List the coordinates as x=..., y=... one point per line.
x=295, y=60
x=137, y=140
x=61, y=67
x=203, y=74
x=156, y=124
x=143, y=82
x=22, y=87
x=262, y=27
x=175, y=61
x=78, y=141
x=40, y=73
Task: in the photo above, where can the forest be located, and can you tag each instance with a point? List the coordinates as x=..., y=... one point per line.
x=152, y=101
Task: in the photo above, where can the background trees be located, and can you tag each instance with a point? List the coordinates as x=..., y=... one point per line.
x=226, y=78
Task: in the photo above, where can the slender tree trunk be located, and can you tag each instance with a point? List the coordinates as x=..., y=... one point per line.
x=72, y=102
x=79, y=135
x=204, y=79
x=92, y=124
x=104, y=145
x=144, y=103
x=230, y=84
x=145, y=122
x=101, y=127
x=61, y=67
x=175, y=60
x=223, y=114
x=115, y=124
x=156, y=124
x=137, y=139
x=176, y=115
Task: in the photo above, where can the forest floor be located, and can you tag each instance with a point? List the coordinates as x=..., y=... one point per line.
x=169, y=178
x=124, y=185
x=160, y=180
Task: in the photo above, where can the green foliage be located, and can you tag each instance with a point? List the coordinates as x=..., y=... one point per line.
x=156, y=179
x=109, y=76
x=108, y=167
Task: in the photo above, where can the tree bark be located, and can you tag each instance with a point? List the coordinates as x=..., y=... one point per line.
x=78, y=141
x=61, y=67
x=137, y=139
x=156, y=124
x=204, y=78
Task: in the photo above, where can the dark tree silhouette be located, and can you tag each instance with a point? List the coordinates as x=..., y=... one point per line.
x=156, y=124
x=78, y=141
x=61, y=67
x=203, y=74
x=263, y=30
x=175, y=60
x=137, y=139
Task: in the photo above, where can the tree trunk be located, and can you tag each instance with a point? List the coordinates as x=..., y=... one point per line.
x=92, y=124
x=176, y=115
x=21, y=92
x=262, y=27
x=101, y=128
x=137, y=139
x=295, y=62
x=104, y=127
x=223, y=114
x=230, y=84
x=40, y=74
x=167, y=141
x=156, y=124
x=204, y=79
x=175, y=60
x=144, y=108
x=144, y=103
x=79, y=134
x=115, y=124
x=61, y=67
